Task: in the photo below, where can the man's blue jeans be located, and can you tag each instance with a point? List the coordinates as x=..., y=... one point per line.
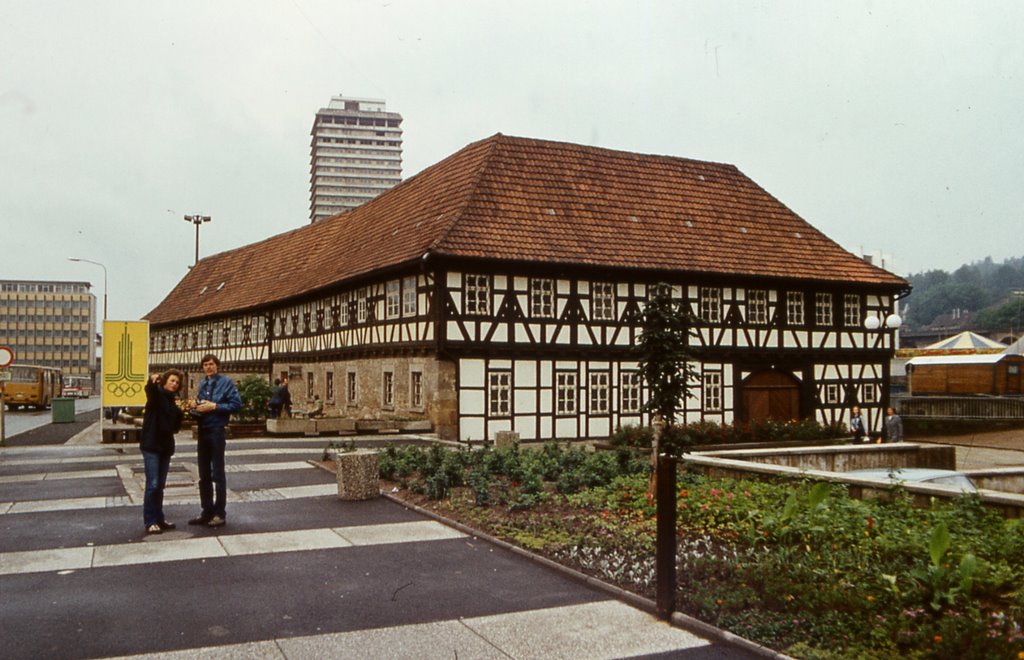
x=157, y=466
x=212, y=482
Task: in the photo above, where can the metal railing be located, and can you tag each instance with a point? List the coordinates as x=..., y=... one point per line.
x=960, y=407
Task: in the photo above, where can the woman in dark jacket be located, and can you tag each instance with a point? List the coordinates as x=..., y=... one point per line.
x=160, y=422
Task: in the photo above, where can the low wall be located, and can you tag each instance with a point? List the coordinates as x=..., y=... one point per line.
x=843, y=458
x=315, y=426
x=830, y=464
x=1005, y=479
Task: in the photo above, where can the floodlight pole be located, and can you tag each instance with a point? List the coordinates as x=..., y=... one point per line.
x=197, y=220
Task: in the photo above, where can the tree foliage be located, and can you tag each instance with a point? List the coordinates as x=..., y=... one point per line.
x=972, y=287
x=666, y=360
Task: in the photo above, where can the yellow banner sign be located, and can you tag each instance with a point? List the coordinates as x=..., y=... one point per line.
x=125, y=362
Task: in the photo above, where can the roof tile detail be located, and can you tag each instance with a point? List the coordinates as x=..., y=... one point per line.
x=527, y=200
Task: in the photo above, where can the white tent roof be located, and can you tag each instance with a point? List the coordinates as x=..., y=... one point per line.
x=984, y=358
x=966, y=340
x=1016, y=348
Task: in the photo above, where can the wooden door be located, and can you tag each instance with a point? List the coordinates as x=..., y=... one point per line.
x=772, y=395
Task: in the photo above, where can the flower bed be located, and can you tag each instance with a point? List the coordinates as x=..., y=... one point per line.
x=806, y=570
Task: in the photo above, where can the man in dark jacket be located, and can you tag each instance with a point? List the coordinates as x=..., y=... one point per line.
x=217, y=399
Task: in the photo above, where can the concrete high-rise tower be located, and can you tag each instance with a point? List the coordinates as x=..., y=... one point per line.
x=355, y=154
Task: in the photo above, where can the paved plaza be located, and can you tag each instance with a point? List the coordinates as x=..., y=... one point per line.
x=296, y=573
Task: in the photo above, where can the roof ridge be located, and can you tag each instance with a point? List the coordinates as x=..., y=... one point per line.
x=474, y=188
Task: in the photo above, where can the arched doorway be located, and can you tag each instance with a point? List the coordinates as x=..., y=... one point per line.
x=771, y=394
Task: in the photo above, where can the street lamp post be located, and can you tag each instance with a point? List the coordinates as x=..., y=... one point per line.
x=96, y=263
x=197, y=220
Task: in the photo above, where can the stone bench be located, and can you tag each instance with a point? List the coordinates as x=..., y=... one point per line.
x=314, y=426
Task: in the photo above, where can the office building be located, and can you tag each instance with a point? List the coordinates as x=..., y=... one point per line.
x=355, y=155
x=50, y=324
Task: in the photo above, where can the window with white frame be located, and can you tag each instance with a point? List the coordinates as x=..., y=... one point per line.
x=599, y=390
x=629, y=388
x=851, y=310
x=329, y=386
x=392, y=299
x=309, y=384
x=602, y=301
x=542, y=298
x=711, y=304
x=757, y=306
x=565, y=392
x=499, y=393
x=361, y=306
x=794, y=308
x=832, y=393
x=416, y=389
x=343, y=301
x=409, y=297
x=712, y=382
x=477, y=294
x=868, y=394
x=351, y=396
x=823, y=309
x=388, y=389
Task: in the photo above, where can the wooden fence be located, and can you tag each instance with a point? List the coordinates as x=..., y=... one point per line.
x=960, y=407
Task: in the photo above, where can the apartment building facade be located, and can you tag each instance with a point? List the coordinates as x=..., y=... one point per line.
x=355, y=155
x=50, y=324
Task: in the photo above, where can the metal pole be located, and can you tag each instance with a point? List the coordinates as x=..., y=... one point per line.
x=102, y=330
x=197, y=220
x=665, y=538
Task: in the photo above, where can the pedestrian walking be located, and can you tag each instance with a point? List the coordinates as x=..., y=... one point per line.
x=161, y=419
x=893, y=426
x=217, y=399
x=286, y=398
x=857, y=427
x=274, y=405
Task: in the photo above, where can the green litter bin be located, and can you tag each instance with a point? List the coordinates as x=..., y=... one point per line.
x=63, y=411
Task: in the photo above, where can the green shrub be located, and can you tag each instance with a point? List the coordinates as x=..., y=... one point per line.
x=255, y=393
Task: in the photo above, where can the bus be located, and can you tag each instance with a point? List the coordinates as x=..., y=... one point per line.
x=32, y=386
x=79, y=387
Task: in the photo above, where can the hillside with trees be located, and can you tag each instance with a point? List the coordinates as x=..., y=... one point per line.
x=984, y=287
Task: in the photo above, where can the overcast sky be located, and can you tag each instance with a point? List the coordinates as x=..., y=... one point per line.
x=893, y=126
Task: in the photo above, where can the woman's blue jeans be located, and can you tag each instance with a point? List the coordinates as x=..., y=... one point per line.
x=157, y=466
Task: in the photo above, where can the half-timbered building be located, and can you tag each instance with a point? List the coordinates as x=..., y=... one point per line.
x=502, y=289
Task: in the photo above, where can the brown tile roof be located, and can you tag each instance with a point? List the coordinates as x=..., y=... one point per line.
x=532, y=200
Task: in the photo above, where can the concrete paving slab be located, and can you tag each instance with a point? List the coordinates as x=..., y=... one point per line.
x=60, y=489
x=252, y=651
x=424, y=530
x=56, y=476
x=582, y=631
x=37, y=506
x=301, y=539
x=443, y=639
x=43, y=561
x=157, y=551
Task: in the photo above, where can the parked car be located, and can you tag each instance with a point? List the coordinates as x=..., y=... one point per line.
x=934, y=476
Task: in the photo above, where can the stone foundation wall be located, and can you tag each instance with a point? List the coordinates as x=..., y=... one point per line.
x=440, y=401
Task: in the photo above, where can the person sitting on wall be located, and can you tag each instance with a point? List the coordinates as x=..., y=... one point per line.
x=318, y=407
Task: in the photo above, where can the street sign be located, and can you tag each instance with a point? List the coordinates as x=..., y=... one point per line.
x=6, y=356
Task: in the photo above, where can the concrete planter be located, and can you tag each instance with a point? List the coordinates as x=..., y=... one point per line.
x=358, y=475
